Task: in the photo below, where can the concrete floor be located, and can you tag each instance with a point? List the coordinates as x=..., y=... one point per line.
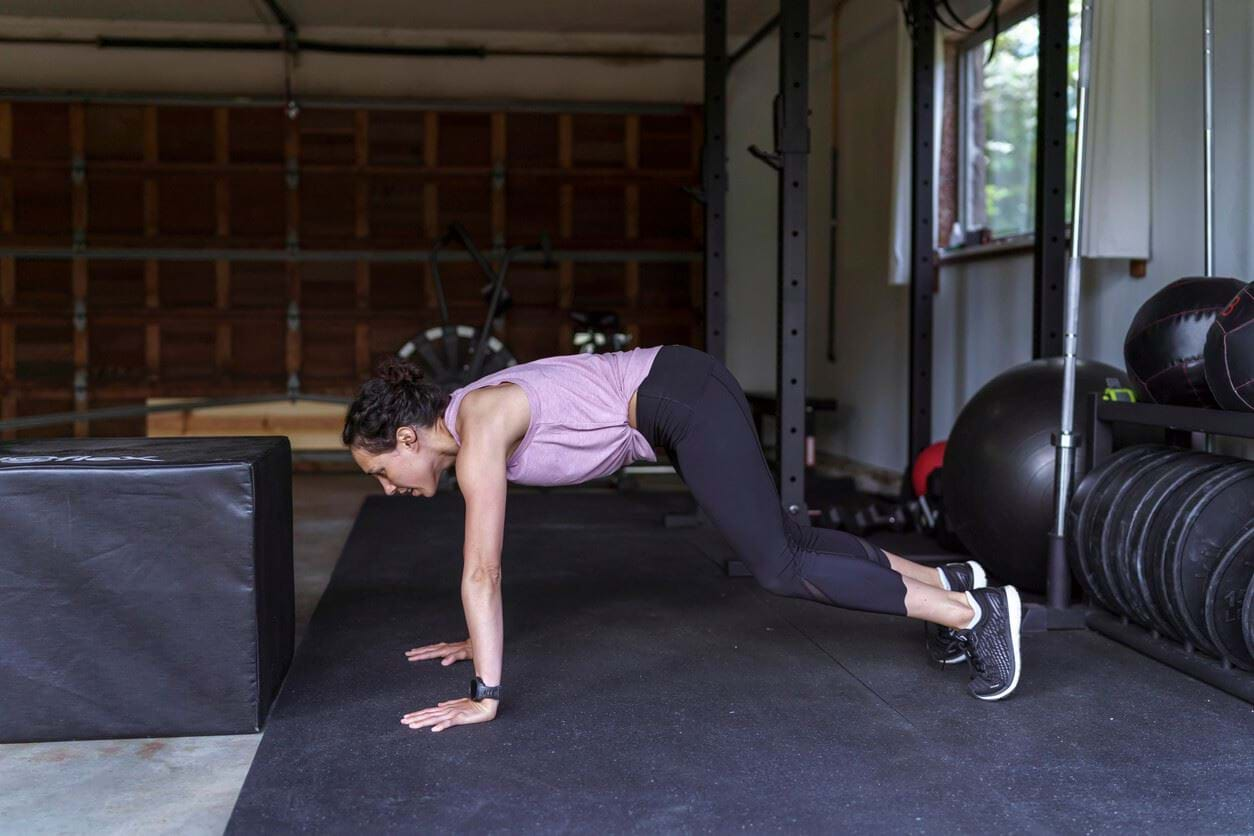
x=185, y=785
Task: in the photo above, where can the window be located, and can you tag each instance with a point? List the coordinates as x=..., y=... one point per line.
x=997, y=125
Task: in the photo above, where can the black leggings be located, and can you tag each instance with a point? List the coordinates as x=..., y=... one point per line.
x=691, y=406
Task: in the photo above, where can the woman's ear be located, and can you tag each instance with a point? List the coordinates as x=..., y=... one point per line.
x=405, y=436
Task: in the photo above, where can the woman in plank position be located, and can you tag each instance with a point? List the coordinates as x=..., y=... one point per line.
x=566, y=420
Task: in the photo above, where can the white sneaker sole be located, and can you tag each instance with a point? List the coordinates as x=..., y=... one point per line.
x=1016, y=617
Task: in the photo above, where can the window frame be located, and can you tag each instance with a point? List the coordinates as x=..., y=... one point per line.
x=964, y=50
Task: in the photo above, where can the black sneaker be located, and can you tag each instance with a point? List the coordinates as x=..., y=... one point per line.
x=963, y=577
x=992, y=645
x=943, y=648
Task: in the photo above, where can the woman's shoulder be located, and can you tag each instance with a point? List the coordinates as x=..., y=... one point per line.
x=503, y=405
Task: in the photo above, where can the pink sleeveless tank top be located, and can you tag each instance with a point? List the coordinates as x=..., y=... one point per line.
x=579, y=428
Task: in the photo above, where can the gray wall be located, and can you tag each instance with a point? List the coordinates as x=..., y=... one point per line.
x=752, y=215
x=983, y=311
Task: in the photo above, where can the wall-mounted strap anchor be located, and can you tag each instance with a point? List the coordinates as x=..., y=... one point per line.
x=775, y=161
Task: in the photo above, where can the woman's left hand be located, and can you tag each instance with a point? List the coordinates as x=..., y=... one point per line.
x=459, y=712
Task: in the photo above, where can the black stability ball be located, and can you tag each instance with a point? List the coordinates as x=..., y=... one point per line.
x=998, y=476
x=1166, y=342
x=1230, y=353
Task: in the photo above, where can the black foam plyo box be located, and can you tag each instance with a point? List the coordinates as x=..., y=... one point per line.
x=145, y=586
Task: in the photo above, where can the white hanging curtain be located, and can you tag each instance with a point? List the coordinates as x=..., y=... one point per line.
x=1116, y=211
x=899, y=242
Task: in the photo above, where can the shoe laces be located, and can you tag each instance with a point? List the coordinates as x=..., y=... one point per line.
x=967, y=638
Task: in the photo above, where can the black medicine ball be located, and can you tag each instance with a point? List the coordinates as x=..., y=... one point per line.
x=1230, y=353
x=1166, y=342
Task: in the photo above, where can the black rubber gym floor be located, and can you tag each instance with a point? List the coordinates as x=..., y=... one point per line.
x=647, y=691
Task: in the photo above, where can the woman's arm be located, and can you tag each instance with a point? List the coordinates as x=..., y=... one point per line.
x=481, y=478
x=489, y=425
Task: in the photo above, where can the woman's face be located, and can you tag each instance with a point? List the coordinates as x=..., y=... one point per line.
x=413, y=468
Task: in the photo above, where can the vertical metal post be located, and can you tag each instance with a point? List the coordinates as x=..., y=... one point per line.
x=793, y=141
x=922, y=268
x=1050, y=251
x=834, y=192
x=1208, y=128
x=1059, y=579
x=714, y=177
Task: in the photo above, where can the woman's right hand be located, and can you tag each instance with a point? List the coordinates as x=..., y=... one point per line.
x=451, y=651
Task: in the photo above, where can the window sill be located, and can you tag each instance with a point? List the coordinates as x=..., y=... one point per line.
x=1001, y=248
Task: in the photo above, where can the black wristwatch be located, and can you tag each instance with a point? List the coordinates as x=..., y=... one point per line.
x=479, y=691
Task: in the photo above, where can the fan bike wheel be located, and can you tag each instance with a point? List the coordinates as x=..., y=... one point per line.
x=445, y=354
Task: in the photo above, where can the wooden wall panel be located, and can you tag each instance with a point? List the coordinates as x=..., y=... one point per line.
x=115, y=204
x=256, y=135
x=258, y=207
x=115, y=285
x=117, y=354
x=599, y=213
x=42, y=203
x=113, y=132
x=534, y=285
x=664, y=286
x=600, y=287
x=398, y=287
x=186, y=134
x=327, y=351
x=329, y=285
x=43, y=285
x=188, y=351
x=44, y=353
x=666, y=142
x=470, y=204
x=187, y=204
x=599, y=141
x=395, y=208
x=327, y=137
x=396, y=137
x=44, y=133
x=257, y=354
x=327, y=206
x=663, y=216
x=534, y=209
x=187, y=284
x=532, y=139
x=464, y=140
x=129, y=176
x=258, y=284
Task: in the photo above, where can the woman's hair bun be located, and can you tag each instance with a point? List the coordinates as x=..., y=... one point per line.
x=395, y=371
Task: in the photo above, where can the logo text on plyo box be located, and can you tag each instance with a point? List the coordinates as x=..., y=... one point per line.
x=57, y=459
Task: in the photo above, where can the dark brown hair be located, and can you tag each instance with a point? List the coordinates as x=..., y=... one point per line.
x=397, y=396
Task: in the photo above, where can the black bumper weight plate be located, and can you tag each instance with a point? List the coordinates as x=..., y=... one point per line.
x=1110, y=528
x=1216, y=514
x=1086, y=506
x=1153, y=545
x=1247, y=619
x=1226, y=613
x=1141, y=507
